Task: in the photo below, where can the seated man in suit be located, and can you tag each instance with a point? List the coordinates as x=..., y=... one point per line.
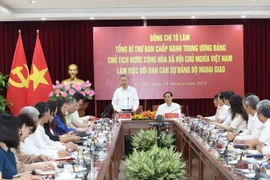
x=168, y=106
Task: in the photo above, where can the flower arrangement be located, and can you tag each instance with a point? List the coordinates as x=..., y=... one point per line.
x=66, y=91
x=146, y=115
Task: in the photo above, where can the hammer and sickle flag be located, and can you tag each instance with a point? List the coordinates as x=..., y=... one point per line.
x=18, y=80
x=40, y=83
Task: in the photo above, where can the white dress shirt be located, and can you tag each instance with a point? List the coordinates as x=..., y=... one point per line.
x=266, y=150
x=228, y=119
x=78, y=118
x=265, y=133
x=40, y=140
x=164, y=108
x=223, y=113
x=125, y=99
x=253, y=130
x=238, y=123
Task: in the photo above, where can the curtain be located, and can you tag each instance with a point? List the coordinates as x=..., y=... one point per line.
x=66, y=42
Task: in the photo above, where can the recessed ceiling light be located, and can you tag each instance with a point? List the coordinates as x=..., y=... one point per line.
x=143, y=17
x=243, y=16
x=43, y=19
x=193, y=17
x=32, y=1
x=254, y=0
x=92, y=18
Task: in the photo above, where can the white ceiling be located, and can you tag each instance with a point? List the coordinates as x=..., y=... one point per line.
x=22, y=10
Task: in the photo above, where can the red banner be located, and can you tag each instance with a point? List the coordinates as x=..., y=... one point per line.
x=189, y=61
x=18, y=80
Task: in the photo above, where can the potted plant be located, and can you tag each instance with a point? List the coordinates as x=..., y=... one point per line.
x=144, y=140
x=156, y=163
x=3, y=85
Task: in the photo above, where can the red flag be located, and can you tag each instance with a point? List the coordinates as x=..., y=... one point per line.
x=40, y=84
x=18, y=80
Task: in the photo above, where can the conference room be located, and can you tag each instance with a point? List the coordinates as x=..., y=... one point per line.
x=194, y=50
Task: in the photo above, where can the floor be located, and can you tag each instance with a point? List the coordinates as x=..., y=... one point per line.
x=122, y=175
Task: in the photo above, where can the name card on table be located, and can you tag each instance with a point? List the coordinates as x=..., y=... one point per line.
x=171, y=116
x=124, y=116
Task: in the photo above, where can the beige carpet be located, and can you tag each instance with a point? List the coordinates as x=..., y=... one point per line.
x=122, y=175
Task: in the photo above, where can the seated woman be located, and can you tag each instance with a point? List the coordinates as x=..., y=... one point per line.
x=238, y=114
x=60, y=121
x=30, y=162
x=9, y=138
x=51, y=125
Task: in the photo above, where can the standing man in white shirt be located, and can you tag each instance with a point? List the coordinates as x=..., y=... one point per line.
x=168, y=106
x=125, y=98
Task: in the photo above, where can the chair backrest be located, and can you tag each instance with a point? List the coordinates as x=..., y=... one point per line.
x=154, y=107
x=140, y=109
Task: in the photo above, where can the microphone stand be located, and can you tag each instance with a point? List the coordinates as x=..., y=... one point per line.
x=187, y=112
x=202, y=130
x=159, y=136
x=127, y=102
x=167, y=127
x=258, y=171
x=198, y=125
x=226, y=149
x=219, y=137
x=191, y=127
x=210, y=133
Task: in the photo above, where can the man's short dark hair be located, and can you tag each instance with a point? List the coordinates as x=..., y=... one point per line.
x=123, y=75
x=42, y=107
x=52, y=105
x=78, y=96
x=216, y=96
x=167, y=93
x=9, y=128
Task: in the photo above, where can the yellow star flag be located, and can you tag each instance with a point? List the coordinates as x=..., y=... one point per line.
x=40, y=84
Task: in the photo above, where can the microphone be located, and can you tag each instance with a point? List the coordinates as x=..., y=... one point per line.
x=191, y=127
x=106, y=111
x=241, y=146
x=175, y=109
x=235, y=136
x=200, y=122
x=202, y=129
x=210, y=132
x=159, y=120
x=187, y=112
x=226, y=149
x=220, y=136
x=127, y=102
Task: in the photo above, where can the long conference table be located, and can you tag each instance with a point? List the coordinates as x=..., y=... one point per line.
x=202, y=163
